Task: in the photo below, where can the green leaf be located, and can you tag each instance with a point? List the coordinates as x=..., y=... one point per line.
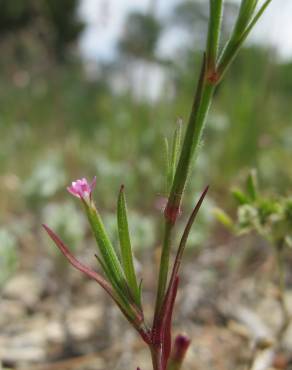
x=168, y=166
x=176, y=147
x=126, y=248
x=133, y=314
x=108, y=253
x=239, y=196
x=254, y=20
x=246, y=11
x=223, y=218
x=186, y=233
x=120, y=296
x=172, y=154
x=246, y=21
x=140, y=291
x=252, y=185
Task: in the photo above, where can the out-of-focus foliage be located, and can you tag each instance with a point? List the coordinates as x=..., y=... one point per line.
x=67, y=220
x=51, y=24
x=46, y=179
x=269, y=216
x=14, y=15
x=192, y=16
x=140, y=36
x=58, y=123
x=66, y=27
x=8, y=255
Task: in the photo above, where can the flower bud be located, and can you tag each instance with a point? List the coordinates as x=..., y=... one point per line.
x=82, y=189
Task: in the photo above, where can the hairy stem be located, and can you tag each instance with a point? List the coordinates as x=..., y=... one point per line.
x=203, y=97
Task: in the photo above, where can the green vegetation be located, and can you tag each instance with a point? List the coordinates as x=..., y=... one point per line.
x=59, y=122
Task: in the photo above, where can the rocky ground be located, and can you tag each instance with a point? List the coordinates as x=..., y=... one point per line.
x=59, y=320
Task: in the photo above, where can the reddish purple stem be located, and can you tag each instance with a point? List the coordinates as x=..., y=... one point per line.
x=78, y=265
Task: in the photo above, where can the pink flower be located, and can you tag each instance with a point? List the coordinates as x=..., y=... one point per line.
x=81, y=188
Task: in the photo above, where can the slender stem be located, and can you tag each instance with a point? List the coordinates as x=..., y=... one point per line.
x=156, y=353
x=216, y=10
x=235, y=42
x=191, y=143
x=203, y=97
x=208, y=80
x=163, y=271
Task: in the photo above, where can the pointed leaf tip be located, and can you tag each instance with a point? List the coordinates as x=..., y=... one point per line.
x=75, y=263
x=186, y=232
x=130, y=312
x=126, y=247
x=252, y=185
x=205, y=191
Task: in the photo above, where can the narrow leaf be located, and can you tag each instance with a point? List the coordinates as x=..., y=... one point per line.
x=134, y=315
x=176, y=148
x=186, y=233
x=161, y=332
x=255, y=19
x=239, y=196
x=245, y=15
x=140, y=291
x=167, y=319
x=252, y=185
x=124, y=303
x=167, y=165
x=106, y=248
x=235, y=42
x=126, y=248
x=223, y=218
x=78, y=265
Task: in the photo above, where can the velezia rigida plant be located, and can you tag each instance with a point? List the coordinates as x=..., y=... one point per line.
x=119, y=278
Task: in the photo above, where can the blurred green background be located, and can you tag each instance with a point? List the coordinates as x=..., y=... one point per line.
x=63, y=117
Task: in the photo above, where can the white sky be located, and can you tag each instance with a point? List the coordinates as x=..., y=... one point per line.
x=105, y=19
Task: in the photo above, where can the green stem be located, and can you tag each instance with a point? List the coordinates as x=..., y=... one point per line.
x=106, y=248
x=193, y=135
x=216, y=10
x=235, y=42
x=164, y=262
x=191, y=143
x=209, y=78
